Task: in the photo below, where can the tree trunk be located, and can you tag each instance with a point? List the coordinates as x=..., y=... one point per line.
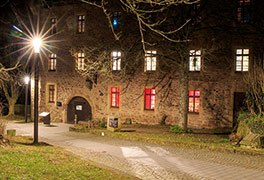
x=183, y=101
x=11, y=106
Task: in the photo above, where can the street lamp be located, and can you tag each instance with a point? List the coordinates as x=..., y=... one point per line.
x=26, y=80
x=36, y=44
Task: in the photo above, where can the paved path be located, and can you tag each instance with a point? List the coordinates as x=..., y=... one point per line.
x=147, y=161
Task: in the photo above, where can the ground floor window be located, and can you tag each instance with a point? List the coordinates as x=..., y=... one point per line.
x=51, y=91
x=115, y=96
x=194, y=101
x=149, y=98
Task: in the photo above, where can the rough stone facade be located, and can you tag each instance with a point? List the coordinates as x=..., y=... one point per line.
x=217, y=80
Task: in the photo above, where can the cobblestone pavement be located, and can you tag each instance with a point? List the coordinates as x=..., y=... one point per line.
x=147, y=161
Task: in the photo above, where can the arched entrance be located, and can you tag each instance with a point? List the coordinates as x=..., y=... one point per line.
x=80, y=109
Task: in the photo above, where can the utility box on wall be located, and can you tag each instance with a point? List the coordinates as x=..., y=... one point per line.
x=113, y=123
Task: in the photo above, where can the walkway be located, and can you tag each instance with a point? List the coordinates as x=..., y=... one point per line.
x=147, y=161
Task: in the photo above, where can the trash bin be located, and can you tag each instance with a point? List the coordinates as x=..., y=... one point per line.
x=45, y=117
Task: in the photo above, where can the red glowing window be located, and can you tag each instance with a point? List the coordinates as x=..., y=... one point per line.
x=115, y=96
x=149, y=98
x=194, y=101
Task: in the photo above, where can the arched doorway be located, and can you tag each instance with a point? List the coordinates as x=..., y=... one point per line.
x=80, y=109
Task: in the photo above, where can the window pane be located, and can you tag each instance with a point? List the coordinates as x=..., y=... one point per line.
x=190, y=108
x=147, y=102
x=152, y=102
x=197, y=105
x=197, y=93
x=239, y=51
x=191, y=93
x=246, y=51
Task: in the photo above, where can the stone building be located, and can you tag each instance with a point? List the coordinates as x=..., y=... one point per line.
x=226, y=43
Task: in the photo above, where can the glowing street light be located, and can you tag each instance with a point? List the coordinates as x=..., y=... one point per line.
x=26, y=80
x=36, y=44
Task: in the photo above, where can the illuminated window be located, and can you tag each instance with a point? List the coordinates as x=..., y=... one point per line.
x=194, y=101
x=53, y=26
x=244, y=11
x=115, y=96
x=195, y=60
x=149, y=95
x=242, y=59
x=150, y=61
x=80, y=61
x=116, y=60
x=52, y=62
x=116, y=19
x=51, y=90
x=81, y=23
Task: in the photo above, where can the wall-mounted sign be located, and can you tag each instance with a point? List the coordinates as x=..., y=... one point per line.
x=79, y=107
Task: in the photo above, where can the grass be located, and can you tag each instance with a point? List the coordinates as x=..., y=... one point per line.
x=22, y=160
x=162, y=136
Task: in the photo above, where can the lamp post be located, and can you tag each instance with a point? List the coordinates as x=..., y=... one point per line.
x=26, y=80
x=36, y=42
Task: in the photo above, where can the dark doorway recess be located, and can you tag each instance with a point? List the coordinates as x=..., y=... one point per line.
x=80, y=109
x=239, y=105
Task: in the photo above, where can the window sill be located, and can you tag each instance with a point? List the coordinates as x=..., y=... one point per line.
x=150, y=110
x=197, y=113
x=114, y=107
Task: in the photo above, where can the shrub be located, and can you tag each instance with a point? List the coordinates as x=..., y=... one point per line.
x=102, y=123
x=254, y=122
x=177, y=129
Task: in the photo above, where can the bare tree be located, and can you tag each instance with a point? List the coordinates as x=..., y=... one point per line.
x=255, y=90
x=11, y=87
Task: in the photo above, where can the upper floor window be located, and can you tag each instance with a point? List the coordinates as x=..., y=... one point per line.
x=244, y=11
x=195, y=60
x=81, y=23
x=116, y=60
x=53, y=25
x=194, y=101
x=196, y=13
x=81, y=61
x=242, y=59
x=52, y=62
x=51, y=91
x=116, y=19
x=115, y=96
x=149, y=96
x=150, y=61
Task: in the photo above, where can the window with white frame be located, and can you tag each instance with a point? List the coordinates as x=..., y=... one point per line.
x=81, y=24
x=80, y=61
x=52, y=62
x=195, y=60
x=150, y=61
x=242, y=59
x=116, y=60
